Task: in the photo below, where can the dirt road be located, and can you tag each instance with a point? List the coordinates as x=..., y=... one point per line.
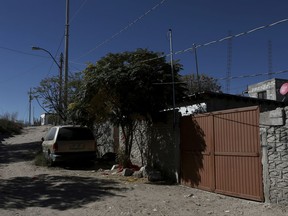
x=27, y=189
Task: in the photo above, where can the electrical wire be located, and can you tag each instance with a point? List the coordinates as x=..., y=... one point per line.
x=235, y=36
x=225, y=78
x=18, y=51
x=77, y=11
x=220, y=40
x=63, y=36
x=122, y=30
x=253, y=75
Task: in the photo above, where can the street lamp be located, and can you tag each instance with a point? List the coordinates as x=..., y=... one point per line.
x=60, y=71
x=39, y=48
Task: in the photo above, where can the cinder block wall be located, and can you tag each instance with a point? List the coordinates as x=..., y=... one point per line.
x=274, y=142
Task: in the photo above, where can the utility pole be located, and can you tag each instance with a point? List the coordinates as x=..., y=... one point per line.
x=172, y=74
x=197, y=67
x=30, y=103
x=177, y=152
x=229, y=63
x=60, y=99
x=270, y=68
x=60, y=82
x=66, y=58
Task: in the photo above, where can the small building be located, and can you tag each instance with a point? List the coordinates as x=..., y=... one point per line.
x=215, y=101
x=268, y=89
x=48, y=118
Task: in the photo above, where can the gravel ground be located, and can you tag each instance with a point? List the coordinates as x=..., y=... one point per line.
x=27, y=189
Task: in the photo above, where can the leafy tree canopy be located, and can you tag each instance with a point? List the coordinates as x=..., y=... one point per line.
x=47, y=94
x=203, y=83
x=127, y=86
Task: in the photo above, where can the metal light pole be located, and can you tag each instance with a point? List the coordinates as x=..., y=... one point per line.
x=40, y=48
x=60, y=66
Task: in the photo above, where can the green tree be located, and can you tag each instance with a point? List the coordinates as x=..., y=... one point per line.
x=203, y=83
x=127, y=87
x=48, y=97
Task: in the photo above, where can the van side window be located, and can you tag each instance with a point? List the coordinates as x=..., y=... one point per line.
x=51, y=134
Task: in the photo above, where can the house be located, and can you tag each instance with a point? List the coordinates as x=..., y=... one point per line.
x=48, y=118
x=268, y=89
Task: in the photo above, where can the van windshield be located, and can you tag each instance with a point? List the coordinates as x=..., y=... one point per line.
x=75, y=134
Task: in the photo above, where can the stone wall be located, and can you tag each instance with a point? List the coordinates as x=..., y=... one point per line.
x=157, y=145
x=104, y=135
x=274, y=142
x=164, y=147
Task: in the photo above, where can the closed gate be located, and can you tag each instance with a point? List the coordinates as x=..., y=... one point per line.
x=220, y=152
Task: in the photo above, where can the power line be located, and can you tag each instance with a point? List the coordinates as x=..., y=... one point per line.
x=254, y=75
x=124, y=29
x=18, y=51
x=232, y=77
x=221, y=40
x=77, y=11
x=235, y=36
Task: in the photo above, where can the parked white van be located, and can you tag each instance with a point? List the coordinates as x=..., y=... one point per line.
x=69, y=143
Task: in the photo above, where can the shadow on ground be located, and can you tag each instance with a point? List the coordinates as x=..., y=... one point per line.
x=84, y=165
x=18, y=152
x=56, y=192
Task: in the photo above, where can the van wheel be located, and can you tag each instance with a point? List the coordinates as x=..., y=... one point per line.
x=49, y=160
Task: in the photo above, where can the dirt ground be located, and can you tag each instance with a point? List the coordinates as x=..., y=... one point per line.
x=27, y=189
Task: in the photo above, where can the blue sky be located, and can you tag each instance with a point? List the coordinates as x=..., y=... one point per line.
x=98, y=27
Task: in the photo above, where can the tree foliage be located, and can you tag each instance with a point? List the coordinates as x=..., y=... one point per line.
x=203, y=83
x=47, y=94
x=126, y=87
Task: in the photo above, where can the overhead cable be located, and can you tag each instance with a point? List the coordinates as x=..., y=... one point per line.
x=225, y=78
x=221, y=40
x=77, y=11
x=235, y=36
x=124, y=29
x=18, y=51
x=253, y=75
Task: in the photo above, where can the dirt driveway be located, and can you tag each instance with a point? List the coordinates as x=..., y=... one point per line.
x=26, y=189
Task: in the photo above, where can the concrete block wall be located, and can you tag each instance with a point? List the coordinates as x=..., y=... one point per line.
x=274, y=129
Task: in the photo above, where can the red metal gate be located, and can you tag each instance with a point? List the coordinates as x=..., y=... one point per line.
x=220, y=152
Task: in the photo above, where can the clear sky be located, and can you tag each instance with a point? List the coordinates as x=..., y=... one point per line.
x=99, y=27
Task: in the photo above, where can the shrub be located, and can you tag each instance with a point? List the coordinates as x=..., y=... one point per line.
x=40, y=160
x=9, y=127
